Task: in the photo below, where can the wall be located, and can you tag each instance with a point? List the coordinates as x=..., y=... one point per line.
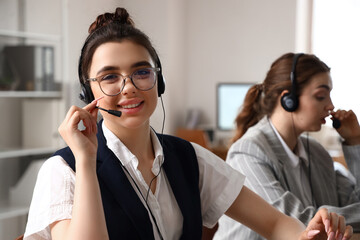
x=235, y=41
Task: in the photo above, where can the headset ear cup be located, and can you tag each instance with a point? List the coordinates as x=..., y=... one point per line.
x=86, y=94
x=161, y=84
x=289, y=102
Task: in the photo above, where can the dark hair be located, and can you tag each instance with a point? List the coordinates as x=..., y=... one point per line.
x=111, y=27
x=261, y=99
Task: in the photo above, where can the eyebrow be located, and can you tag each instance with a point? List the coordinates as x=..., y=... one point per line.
x=111, y=68
x=106, y=68
x=324, y=86
x=141, y=64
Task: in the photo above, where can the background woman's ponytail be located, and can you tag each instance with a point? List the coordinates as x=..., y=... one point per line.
x=250, y=113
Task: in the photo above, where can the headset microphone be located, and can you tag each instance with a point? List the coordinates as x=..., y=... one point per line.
x=336, y=123
x=112, y=112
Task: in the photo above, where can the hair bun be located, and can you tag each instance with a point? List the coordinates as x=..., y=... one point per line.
x=120, y=16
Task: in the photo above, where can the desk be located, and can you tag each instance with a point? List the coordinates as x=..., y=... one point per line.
x=356, y=236
x=200, y=137
x=220, y=151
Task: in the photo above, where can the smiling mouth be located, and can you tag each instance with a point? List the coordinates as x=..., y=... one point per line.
x=131, y=105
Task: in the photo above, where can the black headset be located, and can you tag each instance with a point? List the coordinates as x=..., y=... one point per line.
x=290, y=101
x=87, y=96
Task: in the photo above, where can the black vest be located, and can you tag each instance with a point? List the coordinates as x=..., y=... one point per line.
x=126, y=216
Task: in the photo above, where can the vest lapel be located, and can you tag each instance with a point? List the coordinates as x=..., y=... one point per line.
x=178, y=164
x=113, y=176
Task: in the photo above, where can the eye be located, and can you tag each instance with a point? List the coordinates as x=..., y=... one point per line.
x=110, y=78
x=320, y=98
x=142, y=73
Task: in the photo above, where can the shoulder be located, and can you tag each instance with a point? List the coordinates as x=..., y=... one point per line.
x=53, y=168
x=67, y=156
x=259, y=145
x=53, y=191
x=254, y=141
x=55, y=179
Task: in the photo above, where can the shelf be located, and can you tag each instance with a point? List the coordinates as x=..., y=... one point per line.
x=13, y=153
x=9, y=211
x=39, y=36
x=30, y=94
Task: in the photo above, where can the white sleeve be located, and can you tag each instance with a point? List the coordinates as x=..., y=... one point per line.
x=52, y=198
x=219, y=185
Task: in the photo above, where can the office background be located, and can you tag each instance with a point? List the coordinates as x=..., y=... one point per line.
x=200, y=42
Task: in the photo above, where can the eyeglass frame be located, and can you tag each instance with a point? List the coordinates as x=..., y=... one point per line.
x=129, y=76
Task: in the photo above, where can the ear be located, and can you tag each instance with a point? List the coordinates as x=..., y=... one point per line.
x=283, y=93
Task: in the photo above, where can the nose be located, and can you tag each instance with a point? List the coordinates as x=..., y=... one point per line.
x=330, y=105
x=127, y=86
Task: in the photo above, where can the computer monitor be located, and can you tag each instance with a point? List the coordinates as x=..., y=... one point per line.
x=230, y=97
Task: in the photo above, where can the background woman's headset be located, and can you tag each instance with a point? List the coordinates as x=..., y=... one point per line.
x=290, y=101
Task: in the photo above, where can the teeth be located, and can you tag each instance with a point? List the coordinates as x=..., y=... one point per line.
x=131, y=105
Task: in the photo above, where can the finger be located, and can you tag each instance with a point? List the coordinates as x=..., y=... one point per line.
x=92, y=105
x=65, y=123
x=348, y=232
x=334, y=222
x=76, y=117
x=342, y=115
x=87, y=119
x=94, y=114
x=91, y=108
x=312, y=233
x=90, y=121
x=71, y=111
x=324, y=214
x=341, y=228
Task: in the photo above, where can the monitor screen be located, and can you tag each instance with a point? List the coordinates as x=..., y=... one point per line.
x=230, y=97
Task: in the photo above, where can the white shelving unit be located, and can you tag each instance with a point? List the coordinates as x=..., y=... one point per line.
x=30, y=94
x=29, y=118
x=26, y=35
x=21, y=152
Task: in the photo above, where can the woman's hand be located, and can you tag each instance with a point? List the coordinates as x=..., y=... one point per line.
x=82, y=143
x=325, y=225
x=350, y=128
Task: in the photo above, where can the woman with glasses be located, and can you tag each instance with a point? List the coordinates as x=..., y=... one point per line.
x=119, y=179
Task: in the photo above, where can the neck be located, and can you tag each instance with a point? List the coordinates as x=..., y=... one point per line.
x=285, y=124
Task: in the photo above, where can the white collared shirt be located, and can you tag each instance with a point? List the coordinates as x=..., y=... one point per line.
x=52, y=201
x=299, y=170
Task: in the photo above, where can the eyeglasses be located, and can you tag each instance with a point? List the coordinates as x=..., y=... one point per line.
x=143, y=79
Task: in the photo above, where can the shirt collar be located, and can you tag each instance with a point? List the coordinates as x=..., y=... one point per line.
x=125, y=156
x=300, y=149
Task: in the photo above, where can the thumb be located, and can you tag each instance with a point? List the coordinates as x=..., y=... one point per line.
x=312, y=233
x=309, y=234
